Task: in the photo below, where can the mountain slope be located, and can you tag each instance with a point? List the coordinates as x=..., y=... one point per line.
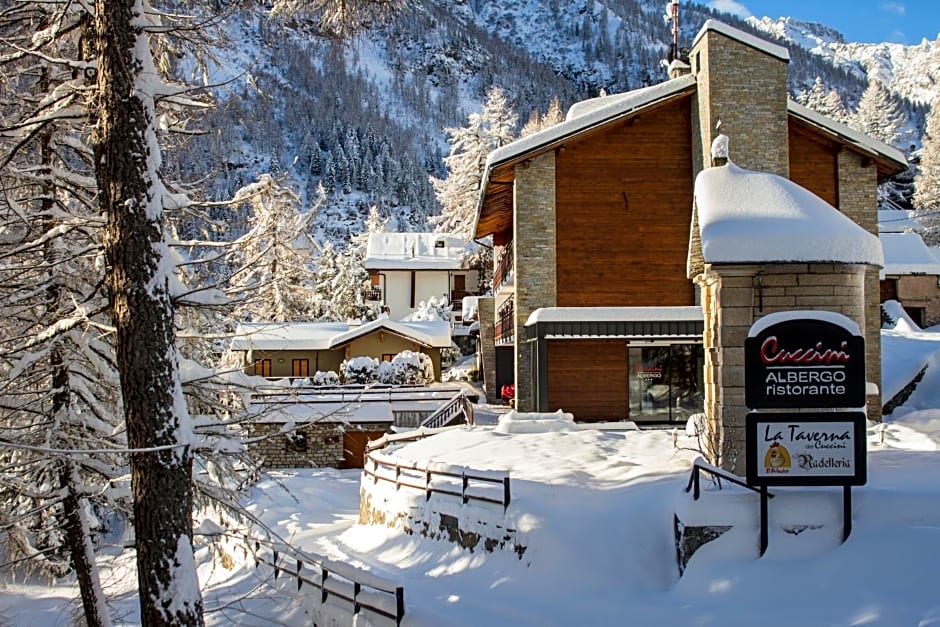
x=367, y=119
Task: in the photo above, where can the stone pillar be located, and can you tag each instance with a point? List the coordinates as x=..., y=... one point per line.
x=736, y=296
x=858, y=199
x=535, y=269
x=745, y=87
x=486, y=315
x=728, y=300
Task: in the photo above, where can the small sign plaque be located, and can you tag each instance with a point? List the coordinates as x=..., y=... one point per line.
x=804, y=360
x=806, y=449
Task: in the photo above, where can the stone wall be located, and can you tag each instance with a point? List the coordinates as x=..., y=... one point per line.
x=858, y=199
x=313, y=445
x=443, y=517
x=486, y=314
x=734, y=297
x=921, y=291
x=535, y=271
x=746, y=90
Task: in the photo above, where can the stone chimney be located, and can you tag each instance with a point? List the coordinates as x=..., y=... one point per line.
x=742, y=81
x=679, y=67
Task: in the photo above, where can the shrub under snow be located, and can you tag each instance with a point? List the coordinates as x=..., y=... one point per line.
x=411, y=368
x=325, y=378
x=359, y=370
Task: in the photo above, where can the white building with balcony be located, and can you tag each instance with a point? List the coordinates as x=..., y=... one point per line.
x=409, y=268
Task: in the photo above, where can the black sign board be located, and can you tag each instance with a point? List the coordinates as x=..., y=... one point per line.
x=812, y=360
x=806, y=449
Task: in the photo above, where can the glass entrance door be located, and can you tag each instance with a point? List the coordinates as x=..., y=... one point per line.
x=665, y=382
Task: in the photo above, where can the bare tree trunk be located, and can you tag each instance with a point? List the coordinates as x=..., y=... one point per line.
x=81, y=551
x=126, y=164
x=77, y=538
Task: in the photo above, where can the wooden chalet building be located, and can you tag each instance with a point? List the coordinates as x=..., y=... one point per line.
x=593, y=226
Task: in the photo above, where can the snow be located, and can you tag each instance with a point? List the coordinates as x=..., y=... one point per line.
x=594, y=510
x=614, y=314
x=274, y=336
x=758, y=217
x=745, y=38
x=414, y=251
x=906, y=253
x=777, y=317
x=587, y=114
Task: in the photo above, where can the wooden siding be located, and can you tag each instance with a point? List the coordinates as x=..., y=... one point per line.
x=813, y=164
x=624, y=207
x=588, y=378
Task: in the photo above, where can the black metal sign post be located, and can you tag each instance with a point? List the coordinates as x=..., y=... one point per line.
x=763, y=519
x=806, y=360
x=846, y=512
x=820, y=449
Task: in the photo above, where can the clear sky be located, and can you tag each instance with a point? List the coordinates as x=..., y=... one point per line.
x=899, y=21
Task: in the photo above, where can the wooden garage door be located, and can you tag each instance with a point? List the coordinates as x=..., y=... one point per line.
x=588, y=378
x=354, y=447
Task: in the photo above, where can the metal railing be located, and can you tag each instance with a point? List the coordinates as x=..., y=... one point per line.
x=700, y=465
x=465, y=483
x=361, y=589
x=373, y=294
x=458, y=406
x=505, y=330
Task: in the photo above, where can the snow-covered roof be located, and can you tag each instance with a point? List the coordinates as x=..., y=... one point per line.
x=757, y=217
x=274, y=336
x=587, y=114
x=352, y=411
x=850, y=135
x=278, y=336
x=896, y=221
x=414, y=251
x=615, y=314
x=906, y=253
x=745, y=38
x=433, y=333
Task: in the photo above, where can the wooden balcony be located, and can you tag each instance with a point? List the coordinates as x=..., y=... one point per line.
x=504, y=268
x=505, y=331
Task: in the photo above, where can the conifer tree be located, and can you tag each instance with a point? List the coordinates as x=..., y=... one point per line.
x=878, y=114
x=927, y=183
x=470, y=145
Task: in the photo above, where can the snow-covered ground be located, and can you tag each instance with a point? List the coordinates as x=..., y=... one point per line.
x=595, y=512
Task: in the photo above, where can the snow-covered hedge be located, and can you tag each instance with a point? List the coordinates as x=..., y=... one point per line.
x=325, y=378
x=406, y=368
x=411, y=368
x=359, y=370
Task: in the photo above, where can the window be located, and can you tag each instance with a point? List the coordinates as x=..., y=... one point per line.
x=296, y=442
x=263, y=367
x=387, y=357
x=439, y=243
x=300, y=368
x=375, y=279
x=666, y=382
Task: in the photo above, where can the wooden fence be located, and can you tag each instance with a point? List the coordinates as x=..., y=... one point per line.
x=358, y=591
x=436, y=478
